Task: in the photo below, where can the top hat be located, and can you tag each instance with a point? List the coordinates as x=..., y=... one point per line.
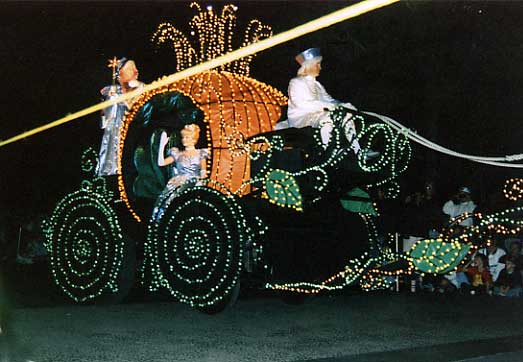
x=309, y=54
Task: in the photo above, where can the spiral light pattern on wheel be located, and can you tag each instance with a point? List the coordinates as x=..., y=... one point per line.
x=195, y=244
x=85, y=244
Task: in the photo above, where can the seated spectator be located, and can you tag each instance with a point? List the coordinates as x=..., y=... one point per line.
x=474, y=276
x=509, y=282
x=456, y=279
x=494, y=254
x=514, y=252
x=459, y=205
x=453, y=281
x=479, y=275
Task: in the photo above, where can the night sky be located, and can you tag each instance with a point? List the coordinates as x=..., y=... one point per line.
x=451, y=70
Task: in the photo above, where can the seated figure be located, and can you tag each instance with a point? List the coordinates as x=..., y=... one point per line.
x=189, y=163
x=309, y=102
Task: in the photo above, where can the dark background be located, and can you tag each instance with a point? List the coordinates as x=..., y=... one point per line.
x=451, y=70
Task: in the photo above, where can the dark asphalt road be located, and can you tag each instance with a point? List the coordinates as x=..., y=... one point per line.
x=355, y=327
x=358, y=327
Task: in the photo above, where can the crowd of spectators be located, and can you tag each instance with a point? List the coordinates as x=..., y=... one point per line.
x=491, y=271
x=496, y=269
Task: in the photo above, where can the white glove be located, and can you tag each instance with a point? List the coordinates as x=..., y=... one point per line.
x=163, y=140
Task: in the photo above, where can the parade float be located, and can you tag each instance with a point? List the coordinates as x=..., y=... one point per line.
x=275, y=210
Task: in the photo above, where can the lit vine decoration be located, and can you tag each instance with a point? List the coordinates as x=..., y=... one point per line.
x=214, y=33
x=451, y=248
x=394, y=158
x=433, y=256
x=89, y=160
x=366, y=270
x=513, y=189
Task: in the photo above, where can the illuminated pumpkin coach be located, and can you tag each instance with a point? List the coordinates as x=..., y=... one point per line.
x=226, y=103
x=227, y=106
x=201, y=242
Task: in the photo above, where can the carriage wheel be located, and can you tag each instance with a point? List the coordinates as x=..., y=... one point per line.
x=196, y=239
x=91, y=259
x=227, y=302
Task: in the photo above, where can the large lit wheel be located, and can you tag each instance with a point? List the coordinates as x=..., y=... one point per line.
x=91, y=259
x=196, y=240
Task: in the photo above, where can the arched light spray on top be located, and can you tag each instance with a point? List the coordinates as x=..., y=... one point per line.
x=314, y=25
x=235, y=106
x=211, y=36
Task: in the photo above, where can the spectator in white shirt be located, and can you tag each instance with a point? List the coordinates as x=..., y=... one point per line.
x=494, y=254
x=461, y=204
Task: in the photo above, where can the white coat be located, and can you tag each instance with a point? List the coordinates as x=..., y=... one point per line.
x=308, y=100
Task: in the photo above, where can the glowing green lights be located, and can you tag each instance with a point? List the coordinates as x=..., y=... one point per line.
x=195, y=244
x=85, y=244
x=282, y=189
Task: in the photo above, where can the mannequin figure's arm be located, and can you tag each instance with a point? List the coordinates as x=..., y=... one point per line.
x=204, y=155
x=203, y=166
x=326, y=97
x=164, y=161
x=109, y=113
x=349, y=106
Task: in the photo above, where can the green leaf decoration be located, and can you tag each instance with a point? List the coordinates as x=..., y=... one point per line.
x=358, y=201
x=282, y=189
x=436, y=256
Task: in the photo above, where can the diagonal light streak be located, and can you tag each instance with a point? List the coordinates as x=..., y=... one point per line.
x=309, y=27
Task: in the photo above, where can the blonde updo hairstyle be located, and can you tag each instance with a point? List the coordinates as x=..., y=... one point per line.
x=192, y=130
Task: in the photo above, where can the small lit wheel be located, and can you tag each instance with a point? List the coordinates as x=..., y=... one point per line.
x=91, y=259
x=195, y=241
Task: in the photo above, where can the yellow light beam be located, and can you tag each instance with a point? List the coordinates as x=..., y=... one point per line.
x=320, y=23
